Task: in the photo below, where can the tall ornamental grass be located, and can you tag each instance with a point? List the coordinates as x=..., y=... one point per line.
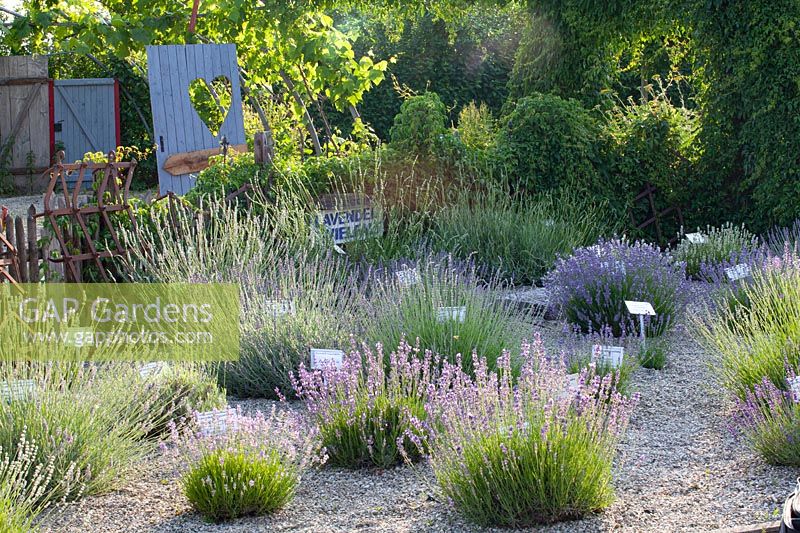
x=521, y=238
x=364, y=409
x=94, y=421
x=767, y=419
x=447, y=306
x=253, y=468
x=592, y=285
x=762, y=341
x=300, y=302
x=719, y=245
x=518, y=452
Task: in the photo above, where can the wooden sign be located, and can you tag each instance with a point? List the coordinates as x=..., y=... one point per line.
x=17, y=390
x=455, y=314
x=216, y=423
x=608, y=355
x=321, y=358
x=696, y=238
x=348, y=217
x=407, y=277
x=195, y=161
x=640, y=308
x=738, y=272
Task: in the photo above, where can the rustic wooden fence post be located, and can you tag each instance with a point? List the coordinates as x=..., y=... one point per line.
x=33, y=246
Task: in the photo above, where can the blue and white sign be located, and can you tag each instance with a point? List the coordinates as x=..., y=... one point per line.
x=348, y=217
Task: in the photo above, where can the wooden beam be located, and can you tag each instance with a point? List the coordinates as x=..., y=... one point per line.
x=23, y=81
x=187, y=162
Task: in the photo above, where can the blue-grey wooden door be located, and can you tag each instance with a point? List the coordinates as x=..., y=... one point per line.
x=85, y=116
x=176, y=125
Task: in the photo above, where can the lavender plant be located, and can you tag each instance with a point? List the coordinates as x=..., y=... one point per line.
x=591, y=287
x=719, y=245
x=761, y=342
x=301, y=302
x=448, y=306
x=364, y=411
x=519, y=238
x=518, y=452
x=768, y=420
x=26, y=486
x=90, y=419
x=252, y=469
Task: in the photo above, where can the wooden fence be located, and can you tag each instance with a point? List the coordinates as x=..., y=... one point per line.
x=31, y=245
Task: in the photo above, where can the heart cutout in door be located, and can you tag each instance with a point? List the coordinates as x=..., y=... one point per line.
x=211, y=101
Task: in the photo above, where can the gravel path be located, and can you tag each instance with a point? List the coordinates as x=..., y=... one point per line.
x=678, y=470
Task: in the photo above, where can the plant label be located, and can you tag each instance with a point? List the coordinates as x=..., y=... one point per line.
x=618, y=266
x=17, y=390
x=455, y=314
x=339, y=250
x=216, y=423
x=794, y=386
x=737, y=272
x=279, y=307
x=608, y=355
x=549, y=223
x=153, y=369
x=573, y=382
x=696, y=238
x=640, y=308
x=321, y=358
x=407, y=277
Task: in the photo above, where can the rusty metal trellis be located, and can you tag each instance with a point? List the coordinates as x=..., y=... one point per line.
x=656, y=217
x=111, y=193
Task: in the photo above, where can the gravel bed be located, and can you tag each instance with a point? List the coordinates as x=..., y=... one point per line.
x=678, y=470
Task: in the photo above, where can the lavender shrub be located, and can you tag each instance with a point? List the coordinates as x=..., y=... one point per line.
x=252, y=469
x=591, y=286
x=515, y=453
x=449, y=305
x=362, y=409
x=768, y=420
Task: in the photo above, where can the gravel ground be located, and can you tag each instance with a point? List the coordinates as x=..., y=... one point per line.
x=678, y=470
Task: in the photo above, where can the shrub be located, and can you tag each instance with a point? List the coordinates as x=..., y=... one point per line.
x=253, y=469
x=514, y=453
x=90, y=421
x=418, y=126
x=300, y=302
x=760, y=342
x=549, y=143
x=591, y=286
x=490, y=325
x=720, y=246
x=519, y=238
x=477, y=127
x=768, y=420
x=363, y=410
x=653, y=354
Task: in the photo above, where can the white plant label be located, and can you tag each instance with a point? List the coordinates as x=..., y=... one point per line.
x=573, y=382
x=794, y=385
x=407, y=277
x=618, y=266
x=216, y=423
x=17, y=390
x=696, y=238
x=549, y=222
x=608, y=355
x=640, y=308
x=279, y=307
x=321, y=358
x=152, y=369
x=738, y=272
x=456, y=314
x=339, y=250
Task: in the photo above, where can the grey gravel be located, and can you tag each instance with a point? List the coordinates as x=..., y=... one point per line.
x=678, y=469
